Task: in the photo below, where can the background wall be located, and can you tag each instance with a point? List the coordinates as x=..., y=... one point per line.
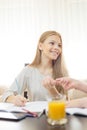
x=23, y=21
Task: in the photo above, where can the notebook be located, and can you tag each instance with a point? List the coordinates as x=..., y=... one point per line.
x=12, y=116
x=77, y=111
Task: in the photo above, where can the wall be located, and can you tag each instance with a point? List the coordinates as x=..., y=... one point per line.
x=23, y=21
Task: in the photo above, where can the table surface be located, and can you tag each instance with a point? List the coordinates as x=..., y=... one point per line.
x=29, y=123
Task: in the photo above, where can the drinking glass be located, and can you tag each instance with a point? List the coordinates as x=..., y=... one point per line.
x=56, y=111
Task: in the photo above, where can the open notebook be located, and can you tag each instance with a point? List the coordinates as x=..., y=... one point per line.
x=38, y=106
x=9, y=111
x=77, y=111
x=12, y=116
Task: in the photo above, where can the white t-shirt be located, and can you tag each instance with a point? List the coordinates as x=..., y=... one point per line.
x=31, y=79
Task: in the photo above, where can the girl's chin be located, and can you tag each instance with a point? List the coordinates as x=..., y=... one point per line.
x=54, y=58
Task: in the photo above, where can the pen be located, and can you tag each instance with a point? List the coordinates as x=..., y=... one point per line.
x=29, y=112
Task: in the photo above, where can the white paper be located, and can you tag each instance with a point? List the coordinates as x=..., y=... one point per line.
x=36, y=106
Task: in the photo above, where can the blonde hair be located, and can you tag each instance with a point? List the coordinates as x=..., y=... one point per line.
x=59, y=68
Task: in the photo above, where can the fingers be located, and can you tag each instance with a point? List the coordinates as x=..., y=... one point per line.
x=64, y=82
x=48, y=82
x=20, y=100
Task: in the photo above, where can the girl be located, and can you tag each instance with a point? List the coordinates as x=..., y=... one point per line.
x=48, y=62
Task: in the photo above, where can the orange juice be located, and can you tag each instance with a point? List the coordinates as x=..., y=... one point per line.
x=56, y=110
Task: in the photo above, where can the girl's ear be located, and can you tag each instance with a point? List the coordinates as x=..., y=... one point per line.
x=40, y=46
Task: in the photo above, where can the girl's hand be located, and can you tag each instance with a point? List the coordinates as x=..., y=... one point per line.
x=17, y=100
x=48, y=82
x=20, y=100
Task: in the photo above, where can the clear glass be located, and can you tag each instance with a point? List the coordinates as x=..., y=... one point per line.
x=56, y=111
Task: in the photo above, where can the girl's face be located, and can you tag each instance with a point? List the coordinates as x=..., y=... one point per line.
x=51, y=48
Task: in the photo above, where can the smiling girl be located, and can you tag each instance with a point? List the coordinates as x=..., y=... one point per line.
x=47, y=62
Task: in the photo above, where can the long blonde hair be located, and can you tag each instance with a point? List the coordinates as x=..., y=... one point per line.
x=59, y=68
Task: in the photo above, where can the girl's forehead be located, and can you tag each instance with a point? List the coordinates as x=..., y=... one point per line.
x=54, y=38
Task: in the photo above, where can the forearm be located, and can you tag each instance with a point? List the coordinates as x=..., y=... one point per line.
x=80, y=103
x=82, y=85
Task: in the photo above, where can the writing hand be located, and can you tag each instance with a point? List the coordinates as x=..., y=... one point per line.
x=19, y=100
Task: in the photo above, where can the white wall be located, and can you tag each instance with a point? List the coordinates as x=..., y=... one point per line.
x=23, y=21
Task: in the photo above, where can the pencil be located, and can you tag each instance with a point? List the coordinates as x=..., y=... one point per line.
x=33, y=113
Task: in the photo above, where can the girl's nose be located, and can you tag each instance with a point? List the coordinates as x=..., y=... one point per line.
x=56, y=46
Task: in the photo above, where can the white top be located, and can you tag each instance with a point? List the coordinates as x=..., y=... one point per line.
x=31, y=79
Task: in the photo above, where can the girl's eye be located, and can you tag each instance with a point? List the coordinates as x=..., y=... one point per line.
x=60, y=45
x=52, y=43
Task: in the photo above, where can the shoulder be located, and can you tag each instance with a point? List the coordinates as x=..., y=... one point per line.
x=25, y=70
x=30, y=69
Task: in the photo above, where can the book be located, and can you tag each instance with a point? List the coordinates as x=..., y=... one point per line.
x=9, y=111
x=12, y=116
x=77, y=111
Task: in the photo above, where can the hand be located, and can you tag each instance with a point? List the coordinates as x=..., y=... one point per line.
x=17, y=100
x=67, y=83
x=48, y=82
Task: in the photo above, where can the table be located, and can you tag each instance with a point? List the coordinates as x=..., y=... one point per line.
x=74, y=123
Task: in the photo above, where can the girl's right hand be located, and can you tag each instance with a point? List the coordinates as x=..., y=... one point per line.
x=17, y=100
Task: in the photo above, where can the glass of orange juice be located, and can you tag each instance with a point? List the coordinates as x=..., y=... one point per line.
x=56, y=111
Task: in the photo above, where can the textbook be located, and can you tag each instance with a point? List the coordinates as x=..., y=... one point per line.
x=77, y=111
